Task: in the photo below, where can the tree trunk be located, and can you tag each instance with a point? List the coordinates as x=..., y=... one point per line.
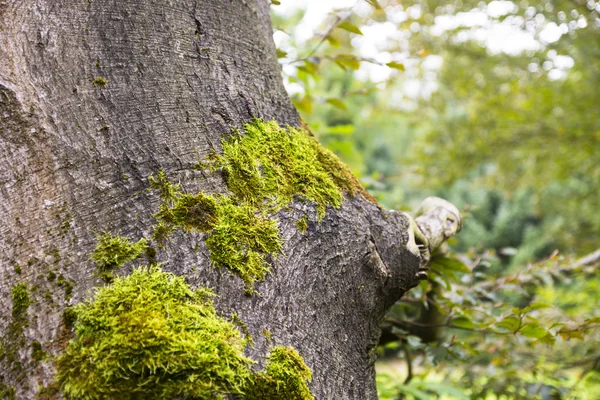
x=97, y=95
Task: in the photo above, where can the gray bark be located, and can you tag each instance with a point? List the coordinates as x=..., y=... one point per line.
x=75, y=157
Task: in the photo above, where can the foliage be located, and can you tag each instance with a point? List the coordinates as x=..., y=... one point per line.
x=507, y=135
x=150, y=335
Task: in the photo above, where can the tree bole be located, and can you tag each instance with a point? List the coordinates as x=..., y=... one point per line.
x=95, y=97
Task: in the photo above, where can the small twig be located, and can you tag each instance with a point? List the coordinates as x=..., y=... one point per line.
x=409, y=361
x=337, y=21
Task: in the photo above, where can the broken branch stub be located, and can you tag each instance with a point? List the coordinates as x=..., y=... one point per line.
x=436, y=221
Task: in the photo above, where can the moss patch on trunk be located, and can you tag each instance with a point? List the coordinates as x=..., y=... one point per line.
x=148, y=335
x=265, y=169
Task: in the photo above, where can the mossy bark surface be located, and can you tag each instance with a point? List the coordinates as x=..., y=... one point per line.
x=95, y=96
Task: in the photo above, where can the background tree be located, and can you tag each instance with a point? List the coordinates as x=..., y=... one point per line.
x=470, y=100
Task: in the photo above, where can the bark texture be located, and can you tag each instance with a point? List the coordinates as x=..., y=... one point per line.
x=97, y=95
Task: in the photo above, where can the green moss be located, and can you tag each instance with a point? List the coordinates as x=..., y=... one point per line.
x=285, y=377
x=51, y=276
x=239, y=237
x=20, y=301
x=272, y=165
x=14, y=339
x=190, y=212
x=237, y=321
x=113, y=252
x=69, y=317
x=148, y=335
x=100, y=82
x=37, y=353
x=242, y=240
x=302, y=224
x=67, y=285
x=7, y=392
x=50, y=392
x=265, y=170
x=267, y=334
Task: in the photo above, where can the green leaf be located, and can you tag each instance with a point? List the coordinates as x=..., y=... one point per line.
x=451, y=264
x=375, y=4
x=535, y=306
x=567, y=334
x=281, y=53
x=511, y=323
x=333, y=41
x=412, y=391
x=309, y=67
x=304, y=104
x=414, y=341
x=347, y=129
x=548, y=339
x=441, y=389
x=337, y=103
x=396, y=65
x=463, y=322
x=533, y=331
x=276, y=2
x=594, y=320
x=350, y=27
x=347, y=61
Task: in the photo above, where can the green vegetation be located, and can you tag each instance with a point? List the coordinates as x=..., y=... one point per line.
x=20, y=302
x=284, y=377
x=7, y=392
x=37, y=352
x=265, y=169
x=14, y=338
x=504, y=130
x=148, y=335
x=112, y=252
x=272, y=165
x=302, y=224
x=100, y=82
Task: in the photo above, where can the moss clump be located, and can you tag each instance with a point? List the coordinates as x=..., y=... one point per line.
x=272, y=165
x=113, y=251
x=239, y=237
x=285, y=377
x=242, y=240
x=302, y=224
x=67, y=285
x=265, y=169
x=37, y=352
x=148, y=335
x=20, y=302
x=69, y=317
x=7, y=392
x=190, y=212
x=100, y=82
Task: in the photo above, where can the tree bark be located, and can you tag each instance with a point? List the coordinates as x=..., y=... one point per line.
x=97, y=95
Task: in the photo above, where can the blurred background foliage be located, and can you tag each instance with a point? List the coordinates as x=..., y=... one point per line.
x=494, y=106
